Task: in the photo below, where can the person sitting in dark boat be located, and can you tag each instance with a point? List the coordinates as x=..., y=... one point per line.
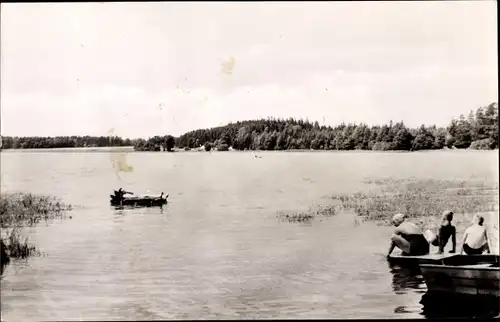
x=122, y=193
x=446, y=230
x=408, y=237
x=475, y=240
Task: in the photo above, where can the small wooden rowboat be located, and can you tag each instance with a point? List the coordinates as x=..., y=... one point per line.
x=413, y=262
x=138, y=201
x=464, y=274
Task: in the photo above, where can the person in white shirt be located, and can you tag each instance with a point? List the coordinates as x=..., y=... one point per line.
x=475, y=240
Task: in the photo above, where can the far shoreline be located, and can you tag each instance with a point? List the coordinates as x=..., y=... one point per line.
x=130, y=149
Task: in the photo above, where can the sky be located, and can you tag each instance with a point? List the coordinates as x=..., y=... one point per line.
x=145, y=69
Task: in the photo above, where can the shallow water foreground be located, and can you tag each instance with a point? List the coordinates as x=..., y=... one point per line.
x=217, y=250
x=222, y=272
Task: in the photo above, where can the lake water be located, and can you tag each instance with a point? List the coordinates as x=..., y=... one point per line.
x=217, y=250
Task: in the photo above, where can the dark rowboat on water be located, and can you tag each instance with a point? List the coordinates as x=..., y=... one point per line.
x=413, y=262
x=455, y=274
x=120, y=198
x=464, y=274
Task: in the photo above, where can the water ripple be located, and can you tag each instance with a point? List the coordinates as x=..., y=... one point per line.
x=216, y=250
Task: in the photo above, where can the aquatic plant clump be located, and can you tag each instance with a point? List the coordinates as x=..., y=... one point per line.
x=421, y=198
x=21, y=209
x=326, y=211
x=295, y=216
x=19, y=247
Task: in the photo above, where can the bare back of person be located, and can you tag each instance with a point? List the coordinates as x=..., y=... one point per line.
x=408, y=228
x=445, y=231
x=408, y=237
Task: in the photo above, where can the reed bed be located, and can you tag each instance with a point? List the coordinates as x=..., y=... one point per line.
x=313, y=212
x=295, y=217
x=18, y=246
x=420, y=198
x=25, y=209
x=21, y=210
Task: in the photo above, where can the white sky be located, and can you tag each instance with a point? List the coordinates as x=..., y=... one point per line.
x=148, y=69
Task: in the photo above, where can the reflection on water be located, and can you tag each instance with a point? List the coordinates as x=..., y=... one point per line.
x=405, y=279
x=216, y=250
x=436, y=305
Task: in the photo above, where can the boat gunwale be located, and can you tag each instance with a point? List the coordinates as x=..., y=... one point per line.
x=459, y=267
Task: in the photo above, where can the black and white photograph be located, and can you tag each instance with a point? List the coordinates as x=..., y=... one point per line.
x=249, y=160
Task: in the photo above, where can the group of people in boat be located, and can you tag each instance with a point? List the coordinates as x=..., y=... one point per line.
x=413, y=242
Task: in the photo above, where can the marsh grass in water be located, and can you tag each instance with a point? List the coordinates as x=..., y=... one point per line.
x=420, y=198
x=24, y=210
x=19, y=247
x=294, y=217
x=298, y=217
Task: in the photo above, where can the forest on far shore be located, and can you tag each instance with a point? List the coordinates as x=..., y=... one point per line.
x=479, y=130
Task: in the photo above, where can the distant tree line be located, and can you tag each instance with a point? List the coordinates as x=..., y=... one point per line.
x=37, y=142
x=479, y=130
x=155, y=143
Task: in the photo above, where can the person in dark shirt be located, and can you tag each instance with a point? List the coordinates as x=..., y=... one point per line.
x=121, y=193
x=446, y=230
